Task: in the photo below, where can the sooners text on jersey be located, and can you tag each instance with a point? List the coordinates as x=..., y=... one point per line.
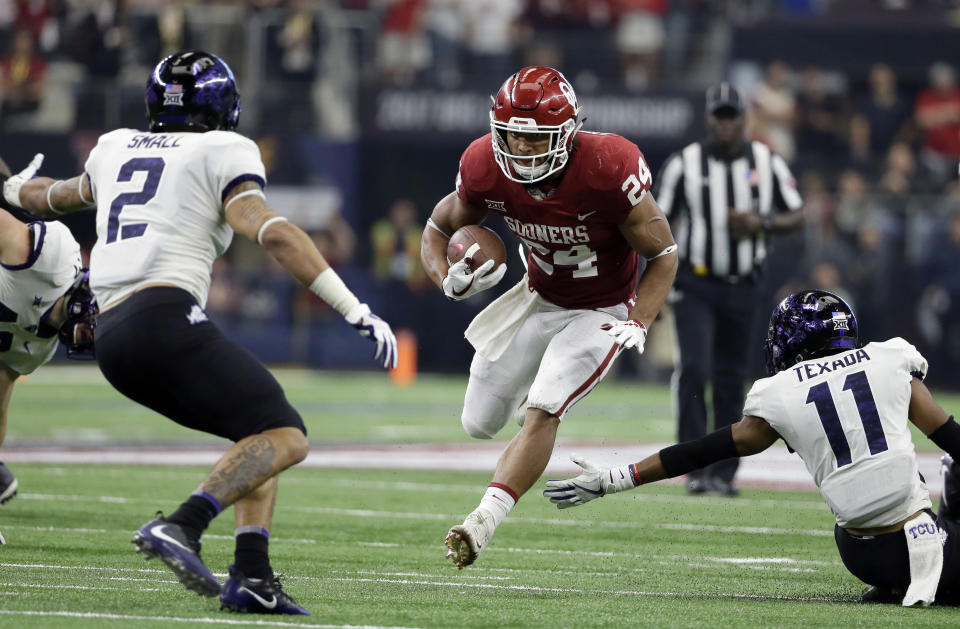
x=578, y=256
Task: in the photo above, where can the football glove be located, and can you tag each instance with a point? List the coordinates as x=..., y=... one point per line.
x=11, y=187
x=377, y=330
x=627, y=334
x=461, y=282
x=594, y=482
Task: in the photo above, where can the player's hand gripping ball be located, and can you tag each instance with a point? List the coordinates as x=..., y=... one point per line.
x=477, y=258
x=490, y=247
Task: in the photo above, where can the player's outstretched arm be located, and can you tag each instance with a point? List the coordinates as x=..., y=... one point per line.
x=932, y=420
x=457, y=281
x=46, y=197
x=748, y=436
x=248, y=214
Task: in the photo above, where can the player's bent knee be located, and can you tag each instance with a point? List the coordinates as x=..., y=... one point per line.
x=291, y=444
x=476, y=428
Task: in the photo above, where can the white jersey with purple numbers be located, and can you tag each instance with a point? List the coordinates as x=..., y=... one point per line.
x=846, y=416
x=29, y=290
x=160, y=212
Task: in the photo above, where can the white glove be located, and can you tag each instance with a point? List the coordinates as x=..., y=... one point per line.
x=377, y=330
x=594, y=482
x=461, y=283
x=11, y=187
x=627, y=334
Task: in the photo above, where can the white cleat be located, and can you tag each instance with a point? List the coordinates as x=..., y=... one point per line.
x=465, y=541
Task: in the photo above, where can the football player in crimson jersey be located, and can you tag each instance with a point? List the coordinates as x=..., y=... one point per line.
x=579, y=202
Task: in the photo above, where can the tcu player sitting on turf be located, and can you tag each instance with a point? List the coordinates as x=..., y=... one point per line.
x=579, y=201
x=44, y=296
x=167, y=204
x=844, y=409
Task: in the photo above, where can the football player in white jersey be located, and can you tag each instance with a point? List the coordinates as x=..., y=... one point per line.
x=167, y=203
x=845, y=410
x=41, y=282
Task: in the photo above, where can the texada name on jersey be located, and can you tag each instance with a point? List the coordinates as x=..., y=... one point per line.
x=846, y=415
x=159, y=207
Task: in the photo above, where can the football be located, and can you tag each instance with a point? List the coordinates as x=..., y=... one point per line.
x=491, y=246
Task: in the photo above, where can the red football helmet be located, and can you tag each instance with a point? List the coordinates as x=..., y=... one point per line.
x=534, y=100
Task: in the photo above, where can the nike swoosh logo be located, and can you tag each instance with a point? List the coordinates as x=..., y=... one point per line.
x=465, y=289
x=588, y=490
x=157, y=531
x=580, y=217
x=268, y=604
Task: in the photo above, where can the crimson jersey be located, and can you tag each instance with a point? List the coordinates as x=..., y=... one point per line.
x=578, y=257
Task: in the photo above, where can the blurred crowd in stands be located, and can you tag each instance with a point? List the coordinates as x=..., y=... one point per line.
x=875, y=155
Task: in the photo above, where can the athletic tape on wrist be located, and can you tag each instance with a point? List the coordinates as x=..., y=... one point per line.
x=80, y=191
x=49, y=202
x=330, y=288
x=267, y=223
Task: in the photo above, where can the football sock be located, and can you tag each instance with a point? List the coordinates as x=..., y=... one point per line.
x=498, y=500
x=195, y=514
x=251, y=556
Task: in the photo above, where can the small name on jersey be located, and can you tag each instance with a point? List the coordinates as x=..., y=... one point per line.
x=812, y=370
x=548, y=233
x=153, y=141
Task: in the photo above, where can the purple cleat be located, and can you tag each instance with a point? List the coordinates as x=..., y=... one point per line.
x=257, y=596
x=169, y=542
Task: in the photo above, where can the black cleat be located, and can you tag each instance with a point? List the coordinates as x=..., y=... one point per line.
x=876, y=594
x=257, y=596
x=169, y=542
x=8, y=484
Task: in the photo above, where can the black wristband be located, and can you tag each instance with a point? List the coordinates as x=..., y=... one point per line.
x=947, y=438
x=692, y=455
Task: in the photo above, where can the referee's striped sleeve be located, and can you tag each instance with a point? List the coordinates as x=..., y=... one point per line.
x=668, y=183
x=786, y=196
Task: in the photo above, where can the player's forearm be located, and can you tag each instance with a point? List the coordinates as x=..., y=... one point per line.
x=293, y=249
x=50, y=198
x=433, y=255
x=654, y=287
x=947, y=438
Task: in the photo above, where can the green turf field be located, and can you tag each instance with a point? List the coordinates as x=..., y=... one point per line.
x=365, y=547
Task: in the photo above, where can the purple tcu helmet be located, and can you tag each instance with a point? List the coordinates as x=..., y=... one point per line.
x=193, y=89
x=809, y=324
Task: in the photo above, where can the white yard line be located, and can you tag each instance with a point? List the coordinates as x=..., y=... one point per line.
x=555, y=590
x=439, y=517
x=201, y=620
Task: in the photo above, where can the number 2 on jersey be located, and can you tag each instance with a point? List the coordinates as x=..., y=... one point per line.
x=153, y=166
x=857, y=384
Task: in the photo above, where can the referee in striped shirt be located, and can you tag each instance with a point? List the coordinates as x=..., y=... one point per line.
x=724, y=197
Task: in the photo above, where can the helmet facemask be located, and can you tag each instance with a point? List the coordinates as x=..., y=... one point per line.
x=532, y=168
